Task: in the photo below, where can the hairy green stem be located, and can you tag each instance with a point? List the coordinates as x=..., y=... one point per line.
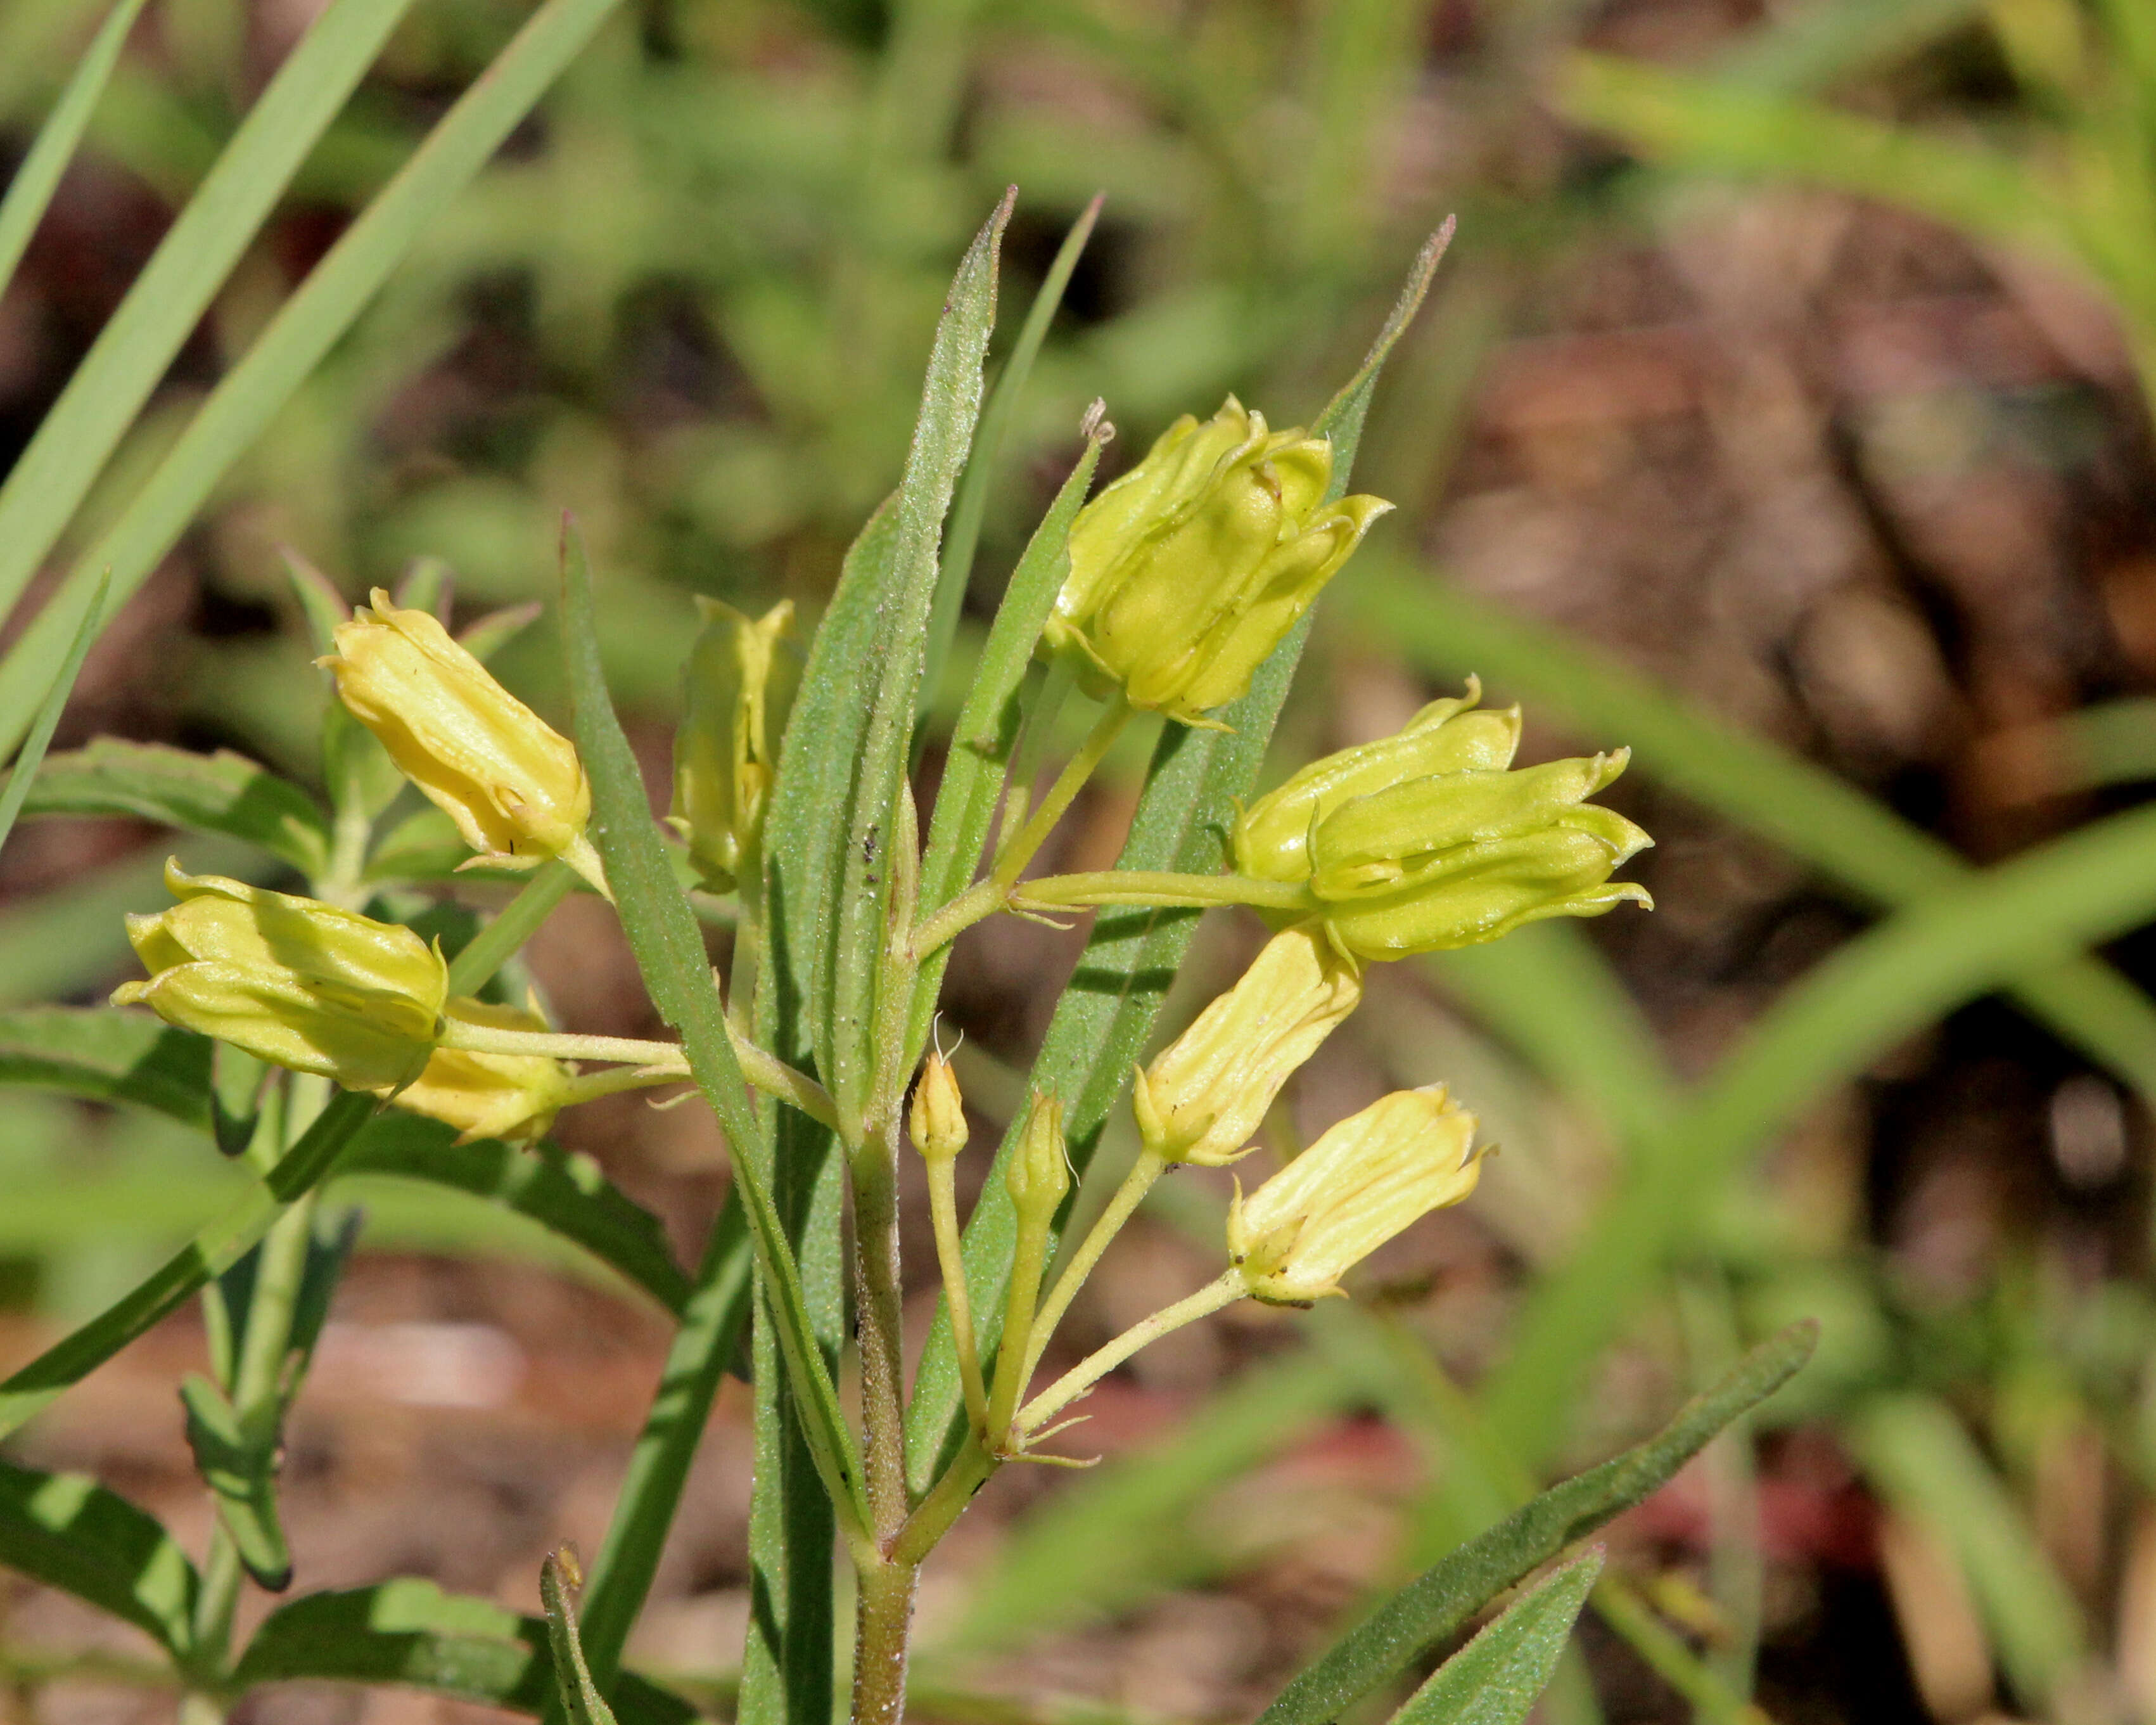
x=950, y=1260
x=874, y=1168
x=883, y=1626
x=1225, y=1289
x=1011, y=858
x=1145, y=886
x=1148, y=1167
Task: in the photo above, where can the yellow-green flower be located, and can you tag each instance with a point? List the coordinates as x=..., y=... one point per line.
x=1429, y=840
x=511, y=1097
x=1363, y=1182
x=1206, y=1094
x=299, y=983
x=1038, y=1177
x=1186, y=573
x=740, y=679
x=512, y=783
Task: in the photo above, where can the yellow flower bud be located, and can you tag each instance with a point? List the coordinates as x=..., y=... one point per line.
x=1206, y=1094
x=937, y=1119
x=298, y=983
x=1039, y=1175
x=1186, y=573
x=513, y=786
x=511, y=1097
x=740, y=679
x=1429, y=839
x=1360, y=1184
x=1447, y=736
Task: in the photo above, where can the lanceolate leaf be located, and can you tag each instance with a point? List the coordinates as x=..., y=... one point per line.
x=1434, y=1606
x=48, y=719
x=1102, y=1021
x=669, y=945
x=68, y=1532
x=1496, y=1678
x=221, y=792
x=105, y=1054
x=409, y=1631
x=901, y=592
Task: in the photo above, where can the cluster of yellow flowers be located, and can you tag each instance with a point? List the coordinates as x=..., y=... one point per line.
x=1184, y=576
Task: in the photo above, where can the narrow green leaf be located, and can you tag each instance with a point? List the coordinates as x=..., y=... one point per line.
x=68, y=1532
x=1497, y=1677
x=984, y=466
x=572, y=1678
x=105, y=1054
x=1102, y=1022
x=950, y=404
x=668, y=946
x=30, y=192
x=1924, y=1461
x=139, y=342
x=408, y=1631
x=565, y=1194
x=240, y=1468
x=987, y=731
x=1814, y=47
x=1863, y=846
x=223, y=792
x=212, y=1252
x=2093, y=885
x=1423, y=1613
x=712, y=1319
x=48, y=718
x=305, y=329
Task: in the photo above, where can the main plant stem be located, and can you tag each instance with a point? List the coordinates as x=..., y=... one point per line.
x=883, y=1629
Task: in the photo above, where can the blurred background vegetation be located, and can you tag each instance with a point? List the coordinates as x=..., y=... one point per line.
x=1780, y=411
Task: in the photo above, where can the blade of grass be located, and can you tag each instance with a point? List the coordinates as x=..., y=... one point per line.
x=305, y=328
x=669, y=945
x=1807, y=811
x=135, y=348
x=30, y=192
x=2090, y=886
x=1102, y=1020
x=984, y=466
x=48, y=718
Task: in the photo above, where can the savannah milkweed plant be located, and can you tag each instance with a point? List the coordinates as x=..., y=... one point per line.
x=316, y=1027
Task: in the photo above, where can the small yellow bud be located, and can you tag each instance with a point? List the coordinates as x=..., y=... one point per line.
x=513, y=786
x=740, y=678
x=937, y=1119
x=298, y=983
x=1188, y=571
x=1038, y=1175
x=1360, y=1184
x=511, y=1097
x=1207, y=1091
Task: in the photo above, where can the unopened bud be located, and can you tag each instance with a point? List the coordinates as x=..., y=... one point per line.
x=512, y=783
x=1038, y=1175
x=1188, y=571
x=511, y=1097
x=740, y=682
x=1363, y=1182
x=1206, y=1094
x=937, y=1118
x=1448, y=736
x=294, y=981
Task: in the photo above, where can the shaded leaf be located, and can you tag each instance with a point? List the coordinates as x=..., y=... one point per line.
x=68, y=1532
